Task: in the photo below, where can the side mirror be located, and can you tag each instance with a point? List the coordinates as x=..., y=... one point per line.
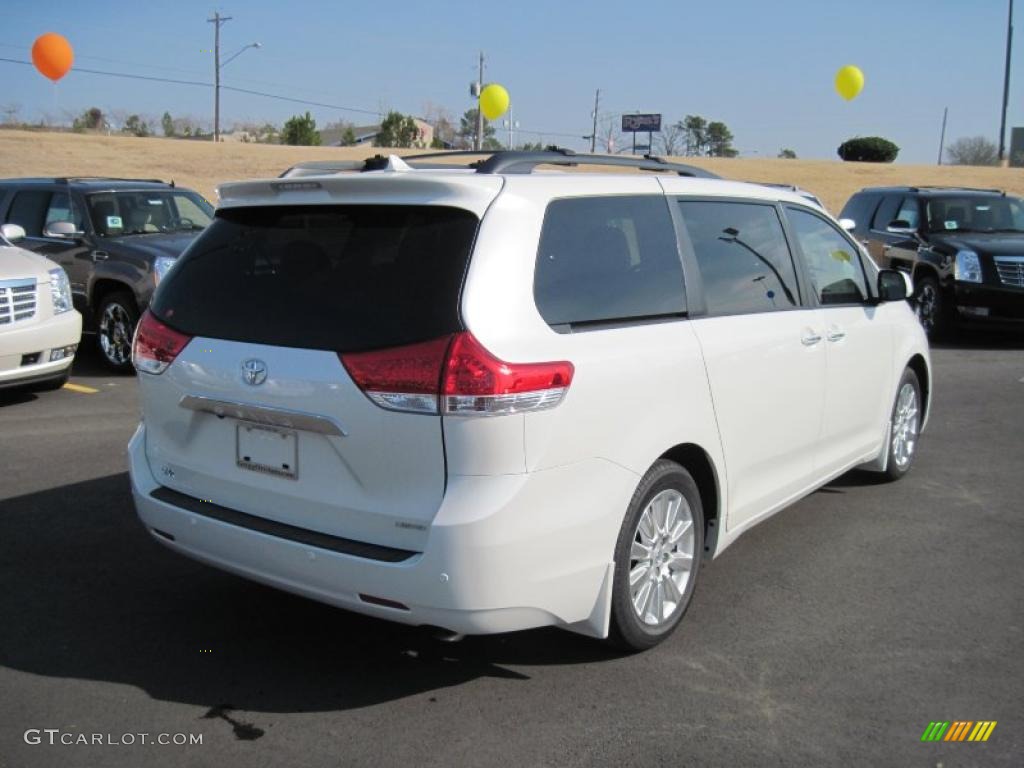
x=63, y=230
x=13, y=232
x=848, y=224
x=893, y=285
x=900, y=227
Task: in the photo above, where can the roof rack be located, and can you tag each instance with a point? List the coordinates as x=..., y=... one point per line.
x=503, y=161
x=962, y=189
x=70, y=179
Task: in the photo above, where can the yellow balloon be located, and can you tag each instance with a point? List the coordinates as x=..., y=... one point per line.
x=849, y=81
x=493, y=101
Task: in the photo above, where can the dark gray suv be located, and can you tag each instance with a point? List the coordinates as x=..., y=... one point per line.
x=115, y=238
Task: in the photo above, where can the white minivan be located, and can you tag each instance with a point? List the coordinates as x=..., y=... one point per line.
x=504, y=396
x=39, y=327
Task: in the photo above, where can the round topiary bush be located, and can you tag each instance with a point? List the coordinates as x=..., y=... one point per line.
x=868, y=149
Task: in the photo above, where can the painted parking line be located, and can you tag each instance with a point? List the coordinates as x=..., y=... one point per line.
x=81, y=388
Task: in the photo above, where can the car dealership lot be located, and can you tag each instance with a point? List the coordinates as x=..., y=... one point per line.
x=832, y=634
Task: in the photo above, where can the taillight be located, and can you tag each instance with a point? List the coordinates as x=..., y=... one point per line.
x=478, y=383
x=458, y=376
x=156, y=345
x=401, y=378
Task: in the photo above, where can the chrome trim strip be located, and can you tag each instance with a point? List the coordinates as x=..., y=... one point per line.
x=261, y=414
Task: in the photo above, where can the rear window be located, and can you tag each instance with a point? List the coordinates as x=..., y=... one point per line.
x=344, y=278
x=607, y=260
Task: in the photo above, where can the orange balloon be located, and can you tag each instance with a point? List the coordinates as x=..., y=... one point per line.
x=52, y=55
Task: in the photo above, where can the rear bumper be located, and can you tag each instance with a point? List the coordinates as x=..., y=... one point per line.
x=40, y=339
x=503, y=553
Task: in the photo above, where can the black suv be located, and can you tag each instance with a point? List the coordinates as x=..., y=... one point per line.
x=114, y=237
x=964, y=248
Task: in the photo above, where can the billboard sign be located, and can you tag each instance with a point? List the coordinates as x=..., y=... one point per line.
x=641, y=123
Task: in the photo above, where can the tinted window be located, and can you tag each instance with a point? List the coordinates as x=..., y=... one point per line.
x=860, y=207
x=28, y=210
x=909, y=212
x=147, y=211
x=607, y=258
x=886, y=212
x=61, y=209
x=744, y=261
x=977, y=213
x=837, y=275
x=344, y=278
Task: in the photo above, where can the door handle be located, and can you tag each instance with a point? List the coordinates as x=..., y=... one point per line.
x=810, y=339
x=836, y=334
x=100, y=256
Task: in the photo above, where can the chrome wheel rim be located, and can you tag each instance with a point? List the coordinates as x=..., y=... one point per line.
x=661, y=558
x=904, y=426
x=926, y=302
x=116, y=334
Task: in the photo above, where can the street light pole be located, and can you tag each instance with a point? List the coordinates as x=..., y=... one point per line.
x=1006, y=84
x=217, y=20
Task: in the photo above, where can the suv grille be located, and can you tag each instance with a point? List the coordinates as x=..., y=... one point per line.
x=1011, y=270
x=17, y=300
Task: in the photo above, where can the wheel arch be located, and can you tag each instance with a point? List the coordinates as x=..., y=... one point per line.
x=919, y=366
x=105, y=286
x=698, y=463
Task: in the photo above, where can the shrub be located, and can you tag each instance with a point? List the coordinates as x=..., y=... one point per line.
x=868, y=149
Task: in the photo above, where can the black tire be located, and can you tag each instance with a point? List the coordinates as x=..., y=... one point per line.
x=116, y=319
x=52, y=384
x=932, y=306
x=627, y=630
x=894, y=470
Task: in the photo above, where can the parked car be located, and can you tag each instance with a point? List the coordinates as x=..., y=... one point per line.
x=964, y=248
x=488, y=399
x=39, y=328
x=115, y=238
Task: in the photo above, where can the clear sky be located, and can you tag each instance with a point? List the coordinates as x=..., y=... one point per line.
x=765, y=68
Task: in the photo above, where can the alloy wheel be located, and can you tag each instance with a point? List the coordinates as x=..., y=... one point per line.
x=116, y=334
x=905, y=426
x=661, y=557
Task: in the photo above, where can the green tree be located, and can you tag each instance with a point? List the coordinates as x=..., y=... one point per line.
x=91, y=119
x=136, y=126
x=719, y=139
x=868, y=149
x=467, y=130
x=531, y=146
x=167, y=123
x=397, y=130
x=695, y=139
x=300, y=130
x=787, y=154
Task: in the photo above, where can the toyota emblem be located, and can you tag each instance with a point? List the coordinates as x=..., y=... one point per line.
x=254, y=372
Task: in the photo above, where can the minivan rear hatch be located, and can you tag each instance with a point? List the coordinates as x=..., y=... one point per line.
x=258, y=413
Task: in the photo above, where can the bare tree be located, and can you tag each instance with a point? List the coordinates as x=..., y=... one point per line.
x=11, y=112
x=671, y=139
x=972, y=150
x=609, y=135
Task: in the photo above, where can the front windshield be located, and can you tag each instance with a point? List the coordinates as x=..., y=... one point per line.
x=975, y=213
x=146, y=212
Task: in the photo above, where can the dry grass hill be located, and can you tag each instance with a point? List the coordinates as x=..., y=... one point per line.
x=204, y=165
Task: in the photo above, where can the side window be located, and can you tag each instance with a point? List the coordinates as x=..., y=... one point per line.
x=837, y=275
x=608, y=258
x=909, y=212
x=29, y=210
x=886, y=212
x=741, y=251
x=62, y=209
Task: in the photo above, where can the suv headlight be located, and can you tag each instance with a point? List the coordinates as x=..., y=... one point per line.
x=968, y=267
x=162, y=266
x=60, y=291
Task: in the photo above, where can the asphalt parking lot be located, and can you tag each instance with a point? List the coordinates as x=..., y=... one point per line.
x=830, y=635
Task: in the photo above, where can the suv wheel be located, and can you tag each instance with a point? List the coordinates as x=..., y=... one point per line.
x=905, y=426
x=116, y=320
x=931, y=306
x=657, y=558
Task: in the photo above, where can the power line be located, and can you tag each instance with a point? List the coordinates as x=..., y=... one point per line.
x=301, y=101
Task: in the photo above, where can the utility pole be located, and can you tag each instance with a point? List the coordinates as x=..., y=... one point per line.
x=217, y=20
x=1006, y=84
x=479, y=143
x=593, y=132
x=942, y=137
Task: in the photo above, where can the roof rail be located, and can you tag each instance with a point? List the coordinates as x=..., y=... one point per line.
x=502, y=161
x=69, y=179
x=962, y=189
x=508, y=161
